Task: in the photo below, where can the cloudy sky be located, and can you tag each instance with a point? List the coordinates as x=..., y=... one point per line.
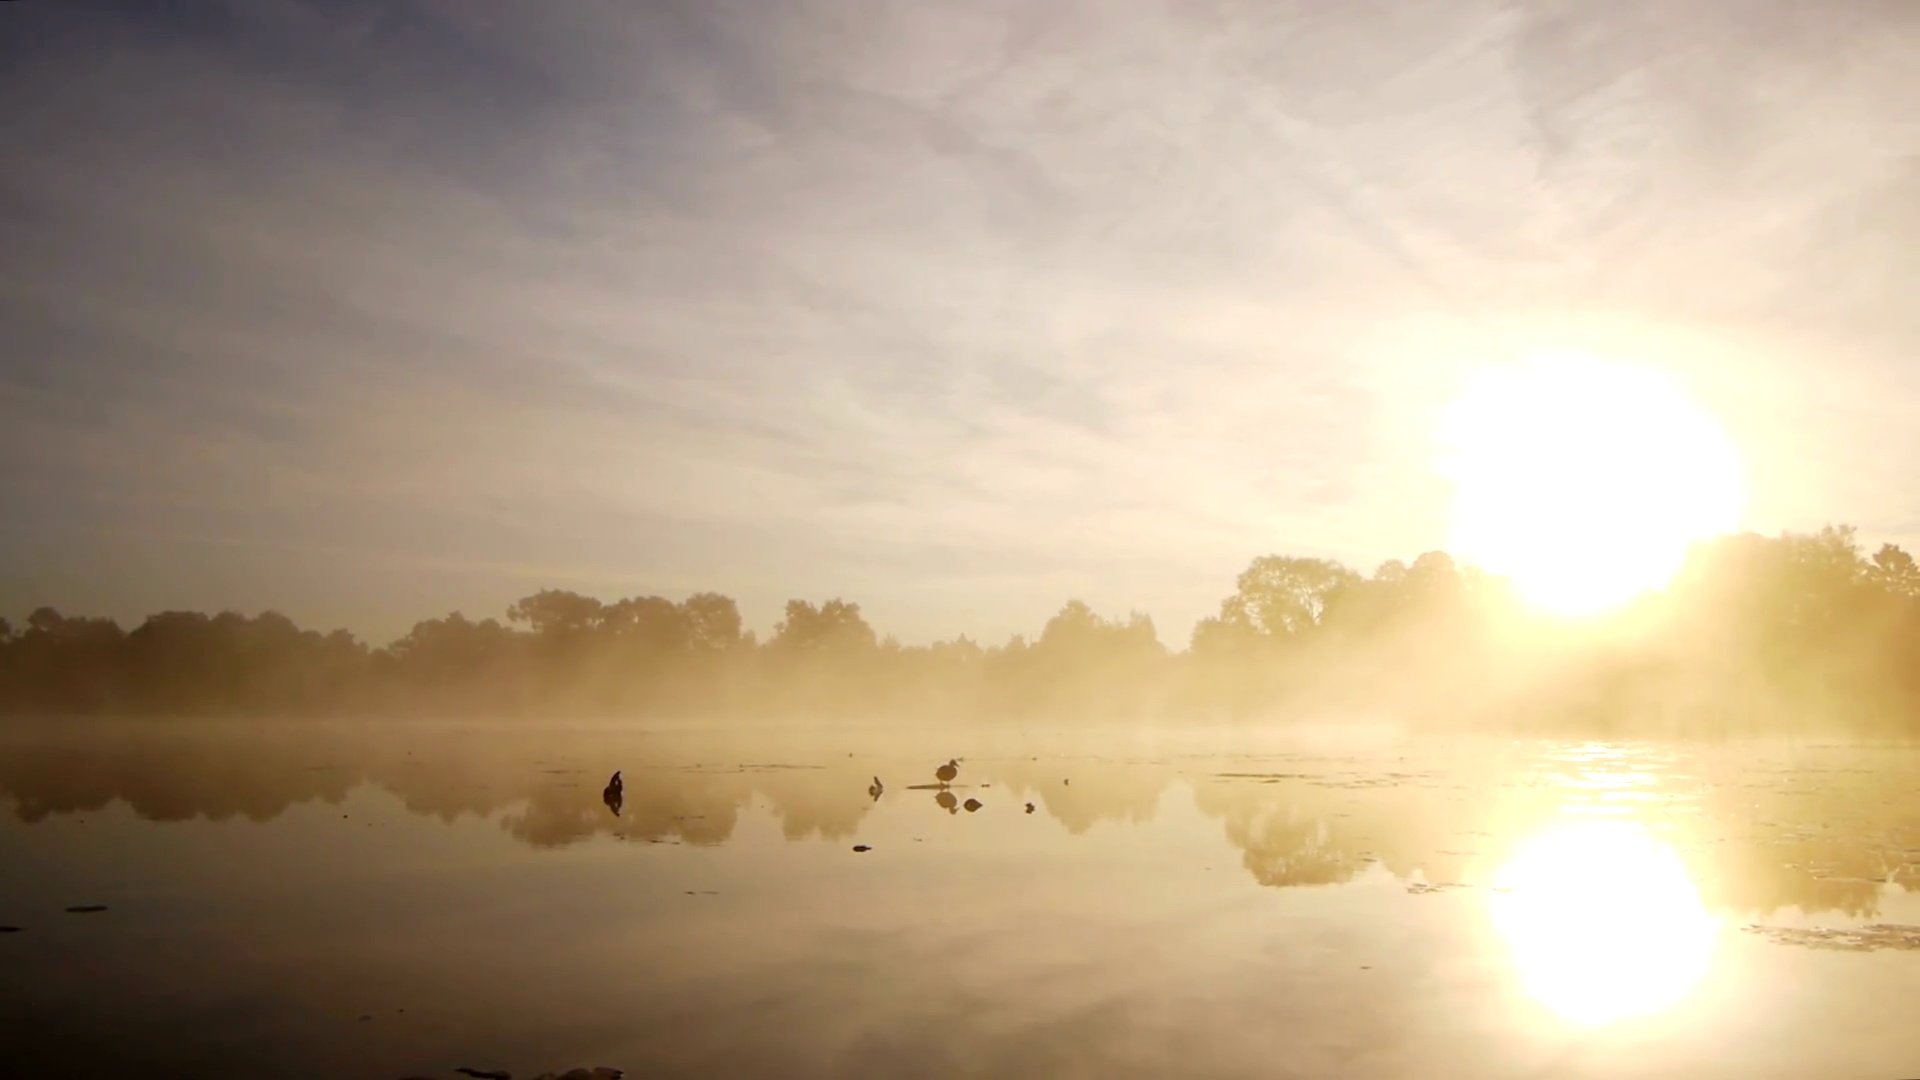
x=369, y=311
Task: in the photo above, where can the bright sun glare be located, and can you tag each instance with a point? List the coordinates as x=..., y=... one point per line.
x=1603, y=921
x=1585, y=482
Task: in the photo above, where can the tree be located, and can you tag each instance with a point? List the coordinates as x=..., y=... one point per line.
x=1895, y=572
x=1280, y=596
x=442, y=650
x=713, y=622
x=835, y=626
x=556, y=614
x=649, y=625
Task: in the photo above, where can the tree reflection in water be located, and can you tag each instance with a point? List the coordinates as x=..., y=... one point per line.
x=1754, y=833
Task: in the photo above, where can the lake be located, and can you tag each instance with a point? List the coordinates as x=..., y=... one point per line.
x=400, y=900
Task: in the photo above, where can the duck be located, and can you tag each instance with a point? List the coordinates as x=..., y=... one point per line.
x=972, y=804
x=874, y=789
x=615, y=788
x=947, y=772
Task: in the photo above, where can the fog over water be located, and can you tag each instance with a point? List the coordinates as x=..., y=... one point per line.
x=381, y=898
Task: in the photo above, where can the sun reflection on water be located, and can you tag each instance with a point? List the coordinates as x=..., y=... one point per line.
x=1603, y=921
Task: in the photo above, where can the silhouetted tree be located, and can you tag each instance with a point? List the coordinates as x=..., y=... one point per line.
x=1783, y=626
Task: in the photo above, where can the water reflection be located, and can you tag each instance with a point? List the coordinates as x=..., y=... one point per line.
x=1603, y=920
x=1814, y=829
x=1375, y=909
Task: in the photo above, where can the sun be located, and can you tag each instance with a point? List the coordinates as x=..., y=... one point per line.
x=1584, y=482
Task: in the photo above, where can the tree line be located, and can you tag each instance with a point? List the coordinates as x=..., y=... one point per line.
x=1754, y=632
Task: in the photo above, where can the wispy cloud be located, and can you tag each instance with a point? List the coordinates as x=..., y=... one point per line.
x=954, y=309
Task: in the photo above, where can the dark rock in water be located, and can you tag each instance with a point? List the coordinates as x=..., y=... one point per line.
x=484, y=1074
x=971, y=805
x=862, y=847
x=86, y=909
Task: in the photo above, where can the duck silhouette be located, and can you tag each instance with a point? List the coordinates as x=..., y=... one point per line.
x=972, y=805
x=615, y=794
x=947, y=802
x=947, y=772
x=875, y=789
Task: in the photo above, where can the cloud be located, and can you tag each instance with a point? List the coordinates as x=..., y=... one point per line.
x=955, y=309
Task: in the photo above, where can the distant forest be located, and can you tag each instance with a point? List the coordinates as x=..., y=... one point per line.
x=1798, y=630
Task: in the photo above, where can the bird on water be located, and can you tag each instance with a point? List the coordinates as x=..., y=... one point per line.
x=874, y=789
x=614, y=794
x=947, y=772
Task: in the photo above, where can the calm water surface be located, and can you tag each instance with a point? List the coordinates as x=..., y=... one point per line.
x=402, y=900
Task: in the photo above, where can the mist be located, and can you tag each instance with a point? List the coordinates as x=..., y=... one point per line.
x=1768, y=634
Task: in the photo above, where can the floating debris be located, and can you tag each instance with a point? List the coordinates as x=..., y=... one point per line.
x=1853, y=939
x=971, y=805
x=862, y=847
x=1029, y=808
x=86, y=909
x=601, y=1073
x=484, y=1074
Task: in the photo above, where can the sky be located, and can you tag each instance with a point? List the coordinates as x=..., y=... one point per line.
x=366, y=312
